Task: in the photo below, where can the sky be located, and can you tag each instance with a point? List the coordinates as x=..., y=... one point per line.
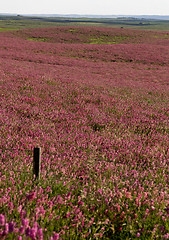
x=96, y=7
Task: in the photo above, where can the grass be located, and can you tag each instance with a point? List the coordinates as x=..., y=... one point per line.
x=108, y=40
x=13, y=23
x=39, y=39
x=5, y=29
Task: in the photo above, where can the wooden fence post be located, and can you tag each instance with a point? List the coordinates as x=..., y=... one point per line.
x=36, y=162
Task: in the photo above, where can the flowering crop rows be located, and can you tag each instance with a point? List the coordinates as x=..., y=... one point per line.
x=100, y=113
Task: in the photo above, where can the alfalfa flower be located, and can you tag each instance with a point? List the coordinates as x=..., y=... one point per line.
x=2, y=220
x=31, y=196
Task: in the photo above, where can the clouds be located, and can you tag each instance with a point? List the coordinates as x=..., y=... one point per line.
x=86, y=6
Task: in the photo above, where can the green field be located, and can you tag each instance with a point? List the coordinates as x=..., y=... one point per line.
x=19, y=22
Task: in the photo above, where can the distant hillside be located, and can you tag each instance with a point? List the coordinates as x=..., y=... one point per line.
x=157, y=17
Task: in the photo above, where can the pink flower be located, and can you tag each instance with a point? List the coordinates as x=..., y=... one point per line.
x=32, y=233
x=31, y=196
x=166, y=236
x=59, y=199
x=28, y=231
x=80, y=203
x=67, y=215
x=2, y=220
x=6, y=231
x=25, y=222
x=56, y=236
x=22, y=229
x=11, y=227
x=40, y=233
x=19, y=208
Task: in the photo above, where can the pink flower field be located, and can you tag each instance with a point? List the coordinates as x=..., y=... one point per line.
x=96, y=100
